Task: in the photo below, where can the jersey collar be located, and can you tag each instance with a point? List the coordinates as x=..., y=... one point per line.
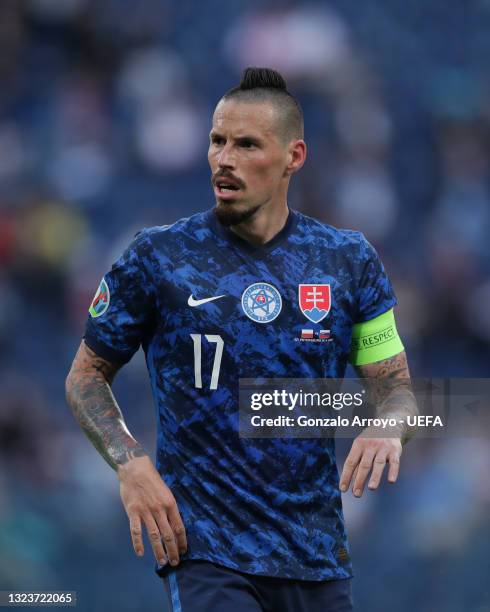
x=248, y=247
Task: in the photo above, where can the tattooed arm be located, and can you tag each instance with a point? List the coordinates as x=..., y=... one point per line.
x=146, y=498
x=390, y=390
x=89, y=394
x=388, y=385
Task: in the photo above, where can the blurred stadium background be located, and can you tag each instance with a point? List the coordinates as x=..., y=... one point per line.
x=104, y=113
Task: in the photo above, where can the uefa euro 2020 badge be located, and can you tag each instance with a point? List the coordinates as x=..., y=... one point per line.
x=261, y=302
x=101, y=300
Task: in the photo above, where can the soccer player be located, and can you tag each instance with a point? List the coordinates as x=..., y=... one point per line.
x=241, y=524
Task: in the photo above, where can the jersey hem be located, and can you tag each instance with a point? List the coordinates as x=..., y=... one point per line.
x=332, y=575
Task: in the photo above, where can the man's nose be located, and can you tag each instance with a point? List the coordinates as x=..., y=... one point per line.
x=226, y=158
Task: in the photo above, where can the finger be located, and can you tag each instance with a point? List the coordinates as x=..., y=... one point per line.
x=394, y=461
x=349, y=466
x=365, y=465
x=155, y=538
x=167, y=535
x=136, y=535
x=378, y=468
x=178, y=528
x=354, y=475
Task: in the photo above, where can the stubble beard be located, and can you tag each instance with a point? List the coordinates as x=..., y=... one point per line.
x=228, y=215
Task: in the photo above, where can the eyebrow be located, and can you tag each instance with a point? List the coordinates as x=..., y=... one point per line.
x=237, y=138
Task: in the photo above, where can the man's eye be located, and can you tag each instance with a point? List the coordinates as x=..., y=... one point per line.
x=247, y=144
x=217, y=141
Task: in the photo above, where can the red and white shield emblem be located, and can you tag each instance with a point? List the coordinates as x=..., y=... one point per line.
x=315, y=301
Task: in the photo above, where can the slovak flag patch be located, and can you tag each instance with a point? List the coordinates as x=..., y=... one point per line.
x=315, y=301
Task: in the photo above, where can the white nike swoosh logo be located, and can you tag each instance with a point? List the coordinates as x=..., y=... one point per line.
x=193, y=302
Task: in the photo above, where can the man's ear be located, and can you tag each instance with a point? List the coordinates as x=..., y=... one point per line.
x=296, y=157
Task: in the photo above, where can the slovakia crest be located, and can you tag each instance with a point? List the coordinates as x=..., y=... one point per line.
x=315, y=301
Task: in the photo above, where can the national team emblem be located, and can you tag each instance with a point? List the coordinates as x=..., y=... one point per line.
x=101, y=300
x=261, y=302
x=315, y=301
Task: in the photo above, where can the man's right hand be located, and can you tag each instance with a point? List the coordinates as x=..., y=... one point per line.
x=147, y=500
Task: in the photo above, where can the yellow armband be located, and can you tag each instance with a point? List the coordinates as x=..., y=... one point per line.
x=375, y=340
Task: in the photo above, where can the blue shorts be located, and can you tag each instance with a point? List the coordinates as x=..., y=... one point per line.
x=202, y=586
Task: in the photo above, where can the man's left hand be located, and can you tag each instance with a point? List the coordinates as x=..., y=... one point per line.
x=367, y=455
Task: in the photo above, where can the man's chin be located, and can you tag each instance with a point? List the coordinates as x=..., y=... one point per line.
x=233, y=214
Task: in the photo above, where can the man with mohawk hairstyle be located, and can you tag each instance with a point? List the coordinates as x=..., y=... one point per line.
x=236, y=524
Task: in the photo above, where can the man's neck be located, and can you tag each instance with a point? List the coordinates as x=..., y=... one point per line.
x=263, y=226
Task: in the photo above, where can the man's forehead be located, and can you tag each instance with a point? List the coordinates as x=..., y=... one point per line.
x=245, y=116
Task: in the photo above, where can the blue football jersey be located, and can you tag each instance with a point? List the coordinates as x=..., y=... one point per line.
x=209, y=308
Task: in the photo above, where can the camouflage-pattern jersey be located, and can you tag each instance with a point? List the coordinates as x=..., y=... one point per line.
x=209, y=308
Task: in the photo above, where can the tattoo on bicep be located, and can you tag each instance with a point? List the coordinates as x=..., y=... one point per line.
x=87, y=360
x=94, y=406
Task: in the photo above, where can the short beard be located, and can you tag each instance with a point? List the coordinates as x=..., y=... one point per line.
x=227, y=215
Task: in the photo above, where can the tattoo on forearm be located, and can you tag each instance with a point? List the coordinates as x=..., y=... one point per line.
x=89, y=394
x=390, y=390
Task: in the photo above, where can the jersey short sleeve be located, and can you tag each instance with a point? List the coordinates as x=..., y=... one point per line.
x=375, y=293
x=122, y=312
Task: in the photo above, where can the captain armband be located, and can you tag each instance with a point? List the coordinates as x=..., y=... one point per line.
x=375, y=340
